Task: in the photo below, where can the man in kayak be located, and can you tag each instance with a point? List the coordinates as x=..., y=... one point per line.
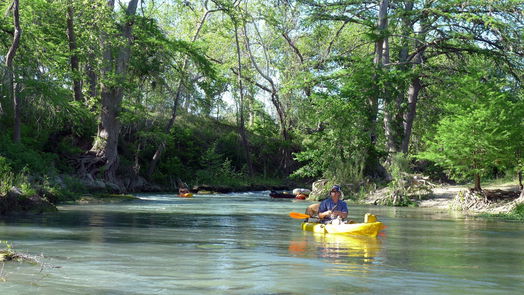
x=333, y=207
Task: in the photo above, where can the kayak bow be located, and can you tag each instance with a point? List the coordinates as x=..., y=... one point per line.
x=369, y=228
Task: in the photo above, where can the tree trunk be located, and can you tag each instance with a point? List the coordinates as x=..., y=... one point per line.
x=381, y=45
x=477, y=183
x=378, y=60
x=389, y=106
x=241, y=126
x=407, y=30
x=105, y=145
x=92, y=77
x=284, y=130
x=176, y=103
x=373, y=167
x=17, y=132
x=106, y=142
x=75, y=68
x=389, y=128
x=11, y=71
x=520, y=180
x=162, y=145
x=409, y=116
x=416, y=84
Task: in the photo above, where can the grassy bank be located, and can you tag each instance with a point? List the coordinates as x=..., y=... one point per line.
x=516, y=214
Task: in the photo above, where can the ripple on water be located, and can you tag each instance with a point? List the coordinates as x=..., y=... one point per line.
x=246, y=244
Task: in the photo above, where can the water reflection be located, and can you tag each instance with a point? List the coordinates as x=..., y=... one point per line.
x=247, y=244
x=344, y=252
x=341, y=246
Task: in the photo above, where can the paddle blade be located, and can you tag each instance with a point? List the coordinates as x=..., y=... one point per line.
x=297, y=215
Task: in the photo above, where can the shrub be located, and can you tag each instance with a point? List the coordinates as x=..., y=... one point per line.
x=218, y=170
x=519, y=210
x=20, y=157
x=6, y=176
x=404, y=186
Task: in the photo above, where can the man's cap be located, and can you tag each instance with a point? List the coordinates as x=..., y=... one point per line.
x=335, y=188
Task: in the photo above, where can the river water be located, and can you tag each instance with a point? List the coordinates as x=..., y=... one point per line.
x=246, y=244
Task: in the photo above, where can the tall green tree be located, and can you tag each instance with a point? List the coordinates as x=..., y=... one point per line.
x=475, y=134
x=113, y=78
x=176, y=93
x=10, y=66
x=411, y=40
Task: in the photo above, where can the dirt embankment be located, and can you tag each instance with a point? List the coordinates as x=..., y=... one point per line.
x=442, y=196
x=497, y=199
x=445, y=197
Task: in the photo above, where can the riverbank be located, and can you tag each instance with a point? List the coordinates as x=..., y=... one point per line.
x=444, y=197
x=16, y=201
x=36, y=198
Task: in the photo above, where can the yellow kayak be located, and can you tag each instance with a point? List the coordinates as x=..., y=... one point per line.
x=370, y=227
x=186, y=195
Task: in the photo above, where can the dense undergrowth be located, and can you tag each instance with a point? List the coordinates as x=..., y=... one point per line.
x=202, y=152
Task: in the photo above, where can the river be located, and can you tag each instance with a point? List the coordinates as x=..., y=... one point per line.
x=245, y=243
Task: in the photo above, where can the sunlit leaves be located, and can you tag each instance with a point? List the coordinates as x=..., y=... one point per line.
x=477, y=132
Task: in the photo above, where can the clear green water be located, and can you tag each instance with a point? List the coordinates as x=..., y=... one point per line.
x=247, y=244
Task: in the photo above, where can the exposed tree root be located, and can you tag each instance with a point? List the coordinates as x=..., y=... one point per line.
x=10, y=255
x=484, y=201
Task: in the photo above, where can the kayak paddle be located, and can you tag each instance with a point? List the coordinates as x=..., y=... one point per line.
x=297, y=215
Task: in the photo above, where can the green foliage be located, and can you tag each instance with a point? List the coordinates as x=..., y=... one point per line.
x=25, y=186
x=519, y=210
x=516, y=214
x=475, y=133
x=7, y=246
x=208, y=147
x=153, y=51
x=320, y=61
x=66, y=146
x=21, y=156
x=404, y=186
x=217, y=170
x=72, y=184
x=338, y=148
x=9, y=179
x=6, y=176
x=6, y=253
x=399, y=168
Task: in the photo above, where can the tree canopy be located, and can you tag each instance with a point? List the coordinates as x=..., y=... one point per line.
x=239, y=91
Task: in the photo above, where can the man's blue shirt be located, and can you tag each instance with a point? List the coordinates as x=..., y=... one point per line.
x=328, y=204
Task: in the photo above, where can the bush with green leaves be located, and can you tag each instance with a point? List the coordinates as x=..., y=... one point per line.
x=6, y=176
x=475, y=133
x=337, y=145
x=22, y=156
x=517, y=213
x=9, y=179
x=399, y=185
x=218, y=170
